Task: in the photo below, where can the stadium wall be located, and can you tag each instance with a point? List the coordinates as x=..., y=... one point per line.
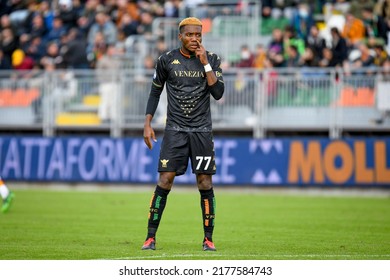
x=240, y=161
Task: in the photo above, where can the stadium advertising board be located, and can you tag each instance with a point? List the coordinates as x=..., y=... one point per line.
x=240, y=161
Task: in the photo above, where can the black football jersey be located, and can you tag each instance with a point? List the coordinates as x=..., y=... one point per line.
x=187, y=90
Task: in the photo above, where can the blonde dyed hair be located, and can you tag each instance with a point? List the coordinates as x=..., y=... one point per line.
x=190, y=21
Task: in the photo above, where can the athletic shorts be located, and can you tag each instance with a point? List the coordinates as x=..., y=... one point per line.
x=178, y=147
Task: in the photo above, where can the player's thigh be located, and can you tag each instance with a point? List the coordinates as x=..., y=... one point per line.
x=202, y=153
x=174, y=152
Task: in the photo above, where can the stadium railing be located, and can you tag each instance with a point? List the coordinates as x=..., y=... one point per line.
x=257, y=103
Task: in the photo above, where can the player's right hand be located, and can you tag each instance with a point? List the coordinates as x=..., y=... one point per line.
x=148, y=136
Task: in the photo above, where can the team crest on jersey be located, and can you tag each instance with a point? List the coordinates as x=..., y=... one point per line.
x=218, y=74
x=164, y=163
x=175, y=61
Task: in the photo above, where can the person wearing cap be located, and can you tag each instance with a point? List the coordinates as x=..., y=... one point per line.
x=190, y=75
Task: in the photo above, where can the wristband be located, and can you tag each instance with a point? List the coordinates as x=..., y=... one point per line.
x=207, y=68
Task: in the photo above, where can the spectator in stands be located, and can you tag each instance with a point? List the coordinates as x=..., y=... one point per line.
x=357, y=7
x=149, y=62
x=128, y=8
x=172, y=8
x=83, y=25
x=107, y=69
x=315, y=42
x=8, y=43
x=302, y=21
x=20, y=61
x=293, y=57
x=78, y=7
x=24, y=41
x=381, y=56
x=47, y=13
x=128, y=25
x=328, y=59
x=365, y=57
x=161, y=47
x=57, y=31
x=276, y=43
x=276, y=48
x=375, y=25
x=38, y=28
x=309, y=58
x=98, y=49
x=382, y=8
x=354, y=30
x=338, y=6
x=5, y=22
x=27, y=23
x=103, y=24
x=67, y=13
x=90, y=10
x=36, y=48
x=5, y=63
x=73, y=50
x=339, y=48
x=260, y=58
x=246, y=57
x=52, y=59
x=145, y=26
x=266, y=8
x=290, y=39
x=153, y=7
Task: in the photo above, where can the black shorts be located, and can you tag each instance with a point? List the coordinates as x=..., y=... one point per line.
x=178, y=146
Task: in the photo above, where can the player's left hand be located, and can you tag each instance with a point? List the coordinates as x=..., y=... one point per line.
x=200, y=53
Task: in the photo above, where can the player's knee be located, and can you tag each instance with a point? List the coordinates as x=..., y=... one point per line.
x=166, y=181
x=204, y=182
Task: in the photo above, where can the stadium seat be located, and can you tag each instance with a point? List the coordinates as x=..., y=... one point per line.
x=365, y=97
x=77, y=119
x=347, y=97
x=206, y=25
x=91, y=100
x=360, y=97
x=19, y=97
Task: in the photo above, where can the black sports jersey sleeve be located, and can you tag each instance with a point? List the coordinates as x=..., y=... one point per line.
x=188, y=93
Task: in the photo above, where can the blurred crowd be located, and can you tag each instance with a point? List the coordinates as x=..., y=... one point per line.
x=340, y=33
x=52, y=34
x=76, y=34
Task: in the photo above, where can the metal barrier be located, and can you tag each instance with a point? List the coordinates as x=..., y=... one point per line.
x=257, y=102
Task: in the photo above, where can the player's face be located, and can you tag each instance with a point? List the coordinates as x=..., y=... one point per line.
x=190, y=37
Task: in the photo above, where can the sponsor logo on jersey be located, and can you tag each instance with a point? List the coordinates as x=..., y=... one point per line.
x=189, y=74
x=176, y=61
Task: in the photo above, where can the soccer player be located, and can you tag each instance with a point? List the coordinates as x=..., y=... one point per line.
x=191, y=74
x=7, y=196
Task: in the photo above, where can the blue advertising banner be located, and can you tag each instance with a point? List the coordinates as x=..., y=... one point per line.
x=240, y=161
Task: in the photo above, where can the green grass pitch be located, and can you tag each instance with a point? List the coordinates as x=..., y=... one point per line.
x=46, y=224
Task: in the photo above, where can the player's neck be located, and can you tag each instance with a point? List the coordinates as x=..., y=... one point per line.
x=186, y=53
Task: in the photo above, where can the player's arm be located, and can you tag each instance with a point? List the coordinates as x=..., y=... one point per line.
x=216, y=86
x=151, y=107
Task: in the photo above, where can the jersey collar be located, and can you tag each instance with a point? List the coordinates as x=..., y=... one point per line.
x=186, y=55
